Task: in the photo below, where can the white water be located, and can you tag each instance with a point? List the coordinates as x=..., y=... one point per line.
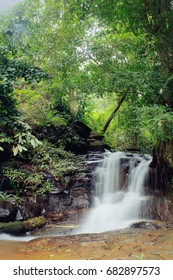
x=9, y=237
x=114, y=206
x=117, y=207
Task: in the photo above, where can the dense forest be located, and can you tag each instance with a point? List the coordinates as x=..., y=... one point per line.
x=103, y=65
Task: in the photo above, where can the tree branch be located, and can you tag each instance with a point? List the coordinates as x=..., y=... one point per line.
x=113, y=113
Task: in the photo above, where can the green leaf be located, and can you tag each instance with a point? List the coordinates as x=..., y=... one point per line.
x=33, y=143
x=15, y=150
x=20, y=148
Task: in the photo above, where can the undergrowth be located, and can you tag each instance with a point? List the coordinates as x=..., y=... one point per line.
x=40, y=171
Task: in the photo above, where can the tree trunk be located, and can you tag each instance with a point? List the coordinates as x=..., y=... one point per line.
x=159, y=15
x=163, y=163
x=113, y=114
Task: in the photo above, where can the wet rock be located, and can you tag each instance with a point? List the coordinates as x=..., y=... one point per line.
x=95, y=136
x=8, y=211
x=124, y=170
x=97, y=145
x=81, y=129
x=4, y=213
x=145, y=208
x=19, y=216
x=67, y=201
x=33, y=206
x=124, y=244
x=63, y=206
x=80, y=198
x=133, y=149
x=96, y=142
x=81, y=202
x=80, y=146
x=161, y=207
x=146, y=225
x=19, y=227
x=152, y=181
x=78, y=182
x=58, y=206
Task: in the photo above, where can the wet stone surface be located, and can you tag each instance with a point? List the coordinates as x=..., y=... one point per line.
x=127, y=244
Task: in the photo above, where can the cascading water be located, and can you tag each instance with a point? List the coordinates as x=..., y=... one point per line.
x=117, y=203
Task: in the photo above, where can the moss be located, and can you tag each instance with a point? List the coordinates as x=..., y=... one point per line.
x=20, y=227
x=14, y=228
x=34, y=223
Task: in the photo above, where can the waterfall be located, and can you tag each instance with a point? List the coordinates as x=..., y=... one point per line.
x=118, y=199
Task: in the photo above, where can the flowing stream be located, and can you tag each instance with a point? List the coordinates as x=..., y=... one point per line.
x=119, y=195
x=117, y=201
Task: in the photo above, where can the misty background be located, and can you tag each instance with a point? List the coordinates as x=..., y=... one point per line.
x=7, y=4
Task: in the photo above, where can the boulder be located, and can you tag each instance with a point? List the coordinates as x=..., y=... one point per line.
x=32, y=206
x=77, y=145
x=81, y=129
x=19, y=227
x=8, y=211
x=35, y=223
x=96, y=142
x=145, y=224
x=58, y=205
x=81, y=194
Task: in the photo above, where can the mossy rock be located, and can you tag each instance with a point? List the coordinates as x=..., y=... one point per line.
x=19, y=227
x=97, y=145
x=14, y=228
x=34, y=223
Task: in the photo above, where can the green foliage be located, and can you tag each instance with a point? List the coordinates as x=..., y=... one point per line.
x=33, y=181
x=8, y=197
x=14, y=133
x=47, y=166
x=55, y=161
x=24, y=138
x=14, y=228
x=11, y=122
x=22, y=179
x=38, y=105
x=19, y=136
x=4, y=139
x=94, y=52
x=160, y=119
x=46, y=188
x=14, y=174
x=144, y=126
x=15, y=177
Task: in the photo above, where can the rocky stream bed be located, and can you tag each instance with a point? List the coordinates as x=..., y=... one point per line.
x=126, y=244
